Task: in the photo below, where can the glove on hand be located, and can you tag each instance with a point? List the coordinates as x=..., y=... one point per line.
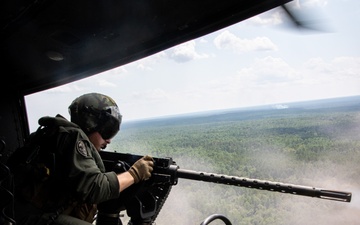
x=141, y=169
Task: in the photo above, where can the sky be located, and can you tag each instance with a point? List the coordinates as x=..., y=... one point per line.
x=259, y=61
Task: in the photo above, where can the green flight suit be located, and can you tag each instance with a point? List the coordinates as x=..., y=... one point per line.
x=76, y=185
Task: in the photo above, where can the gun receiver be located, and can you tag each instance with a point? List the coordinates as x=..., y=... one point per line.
x=166, y=174
x=167, y=169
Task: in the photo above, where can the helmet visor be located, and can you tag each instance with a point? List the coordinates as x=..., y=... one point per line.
x=109, y=124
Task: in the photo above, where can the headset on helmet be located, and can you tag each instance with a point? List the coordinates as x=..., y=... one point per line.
x=96, y=112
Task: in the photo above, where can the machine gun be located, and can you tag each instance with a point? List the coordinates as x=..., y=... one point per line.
x=143, y=201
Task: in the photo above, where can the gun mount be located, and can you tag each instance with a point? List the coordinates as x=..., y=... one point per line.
x=166, y=174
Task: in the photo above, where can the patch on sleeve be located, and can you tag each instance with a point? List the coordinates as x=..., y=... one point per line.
x=81, y=148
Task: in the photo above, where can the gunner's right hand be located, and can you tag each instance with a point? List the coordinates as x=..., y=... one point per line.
x=141, y=169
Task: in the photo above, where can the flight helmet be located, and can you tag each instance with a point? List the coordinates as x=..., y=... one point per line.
x=96, y=112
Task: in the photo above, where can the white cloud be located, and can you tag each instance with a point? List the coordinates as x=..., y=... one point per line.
x=105, y=83
x=203, y=40
x=350, y=66
x=269, y=70
x=185, y=52
x=149, y=96
x=273, y=17
x=312, y=3
x=150, y=60
x=142, y=66
x=229, y=41
x=340, y=68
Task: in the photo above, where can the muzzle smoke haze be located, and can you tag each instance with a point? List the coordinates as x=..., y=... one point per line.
x=189, y=201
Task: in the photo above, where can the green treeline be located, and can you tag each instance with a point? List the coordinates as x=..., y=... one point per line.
x=313, y=148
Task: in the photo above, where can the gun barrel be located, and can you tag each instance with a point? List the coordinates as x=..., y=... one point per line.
x=265, y=185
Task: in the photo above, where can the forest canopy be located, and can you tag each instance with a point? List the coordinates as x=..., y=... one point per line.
x=316, y=146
